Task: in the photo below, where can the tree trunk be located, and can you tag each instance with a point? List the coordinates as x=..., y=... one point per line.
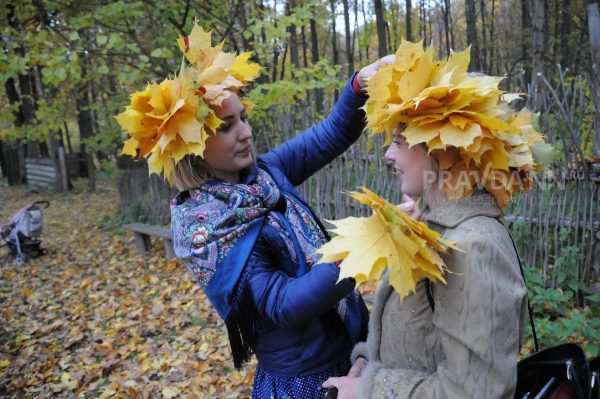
x=446, y=12
x=380, y=23
x=566, y=27
x=429, y=20
x=314, y=48
x=355, y=33
x=304, y=52
x=538, y=38
x=86, y=129
x=484, y=48
x=471, y=18
x=2, y=161
x=349, y=53
x=452, y=46
x=12, y=169
x=365, y=22
x=525, y=39
x=594, y=27
x=422, y=25
x=334, y=40
x=492, y=61
x=285, y=51
x=409, y=35
x=293, y=42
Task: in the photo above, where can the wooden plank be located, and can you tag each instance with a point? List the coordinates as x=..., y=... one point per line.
x=40, y=168
x=39, y=179
x=149, y=229
x=41, y=173
x=38, y=183
x=39, y=161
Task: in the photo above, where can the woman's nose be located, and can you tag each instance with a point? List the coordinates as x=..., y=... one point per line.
x=388, y=155
x=245, y=133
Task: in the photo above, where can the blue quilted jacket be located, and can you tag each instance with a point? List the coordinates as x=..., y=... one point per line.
x=298, y=331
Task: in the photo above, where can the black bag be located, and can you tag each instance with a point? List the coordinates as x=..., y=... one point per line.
x=559, y=369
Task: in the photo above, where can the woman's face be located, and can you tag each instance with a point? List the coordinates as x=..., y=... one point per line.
x=229, y=150
x=413, y=165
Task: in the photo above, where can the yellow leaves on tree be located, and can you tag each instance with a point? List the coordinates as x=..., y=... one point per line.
x=172, y=119
x=463, y=118
x=389, y=237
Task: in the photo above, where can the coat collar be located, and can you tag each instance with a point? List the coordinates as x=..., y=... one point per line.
x=452, y=213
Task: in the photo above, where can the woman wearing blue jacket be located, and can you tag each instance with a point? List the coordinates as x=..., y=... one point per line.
x=238, y=223
x=249, y=238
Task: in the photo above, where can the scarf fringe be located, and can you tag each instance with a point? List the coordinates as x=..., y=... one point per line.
x=240, y=327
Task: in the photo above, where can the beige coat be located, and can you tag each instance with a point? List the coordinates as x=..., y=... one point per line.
x=468, y=347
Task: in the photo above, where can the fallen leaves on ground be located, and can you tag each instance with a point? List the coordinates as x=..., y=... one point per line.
x=92, y=319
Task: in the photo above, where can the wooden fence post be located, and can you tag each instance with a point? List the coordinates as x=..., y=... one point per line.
x=594, y=27
x=64, y=177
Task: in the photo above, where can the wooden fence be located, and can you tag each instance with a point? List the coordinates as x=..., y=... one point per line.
x=41, y=172
x=562, y=211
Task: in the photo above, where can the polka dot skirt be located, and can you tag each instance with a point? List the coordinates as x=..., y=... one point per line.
x=269, y=386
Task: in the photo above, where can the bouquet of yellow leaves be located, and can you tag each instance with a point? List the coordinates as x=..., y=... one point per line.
x=389, y=237
x=172, y=119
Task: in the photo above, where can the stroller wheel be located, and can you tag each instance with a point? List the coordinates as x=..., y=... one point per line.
x=20, y=259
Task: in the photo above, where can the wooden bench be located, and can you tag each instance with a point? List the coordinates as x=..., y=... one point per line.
x=143, y=232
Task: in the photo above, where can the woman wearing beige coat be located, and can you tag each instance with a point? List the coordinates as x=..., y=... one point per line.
x=457, y=145
x=467, y=345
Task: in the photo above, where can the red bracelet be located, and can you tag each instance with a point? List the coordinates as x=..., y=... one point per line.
x=357, y=89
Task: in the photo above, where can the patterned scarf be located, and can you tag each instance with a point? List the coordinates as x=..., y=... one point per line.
x=222, y=221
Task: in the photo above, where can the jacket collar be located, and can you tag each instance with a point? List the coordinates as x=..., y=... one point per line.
x=454, y=212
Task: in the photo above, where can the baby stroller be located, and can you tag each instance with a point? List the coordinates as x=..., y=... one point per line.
x=21, y=231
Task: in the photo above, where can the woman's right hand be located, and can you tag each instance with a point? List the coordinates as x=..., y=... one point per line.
x=357, y=367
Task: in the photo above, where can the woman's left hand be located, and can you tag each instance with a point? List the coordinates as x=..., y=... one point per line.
x=347, y=386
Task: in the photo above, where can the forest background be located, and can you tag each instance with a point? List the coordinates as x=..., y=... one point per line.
x=68, y=67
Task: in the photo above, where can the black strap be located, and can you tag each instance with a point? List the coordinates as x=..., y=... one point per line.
x=529, y=308
x=428, y=290
x=429, y=294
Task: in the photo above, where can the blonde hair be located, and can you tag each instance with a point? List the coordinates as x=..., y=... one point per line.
x=192, y=171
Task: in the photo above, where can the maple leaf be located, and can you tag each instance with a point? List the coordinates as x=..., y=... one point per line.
x=388, y=238
x=243, y=70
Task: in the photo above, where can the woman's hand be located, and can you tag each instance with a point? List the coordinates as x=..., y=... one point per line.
x=347, y=386
x=365, y=73
x=410, y=206
x=357, y=367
